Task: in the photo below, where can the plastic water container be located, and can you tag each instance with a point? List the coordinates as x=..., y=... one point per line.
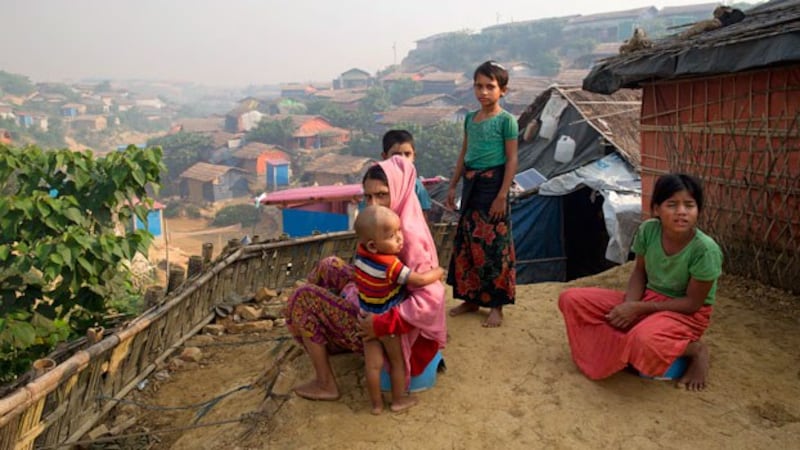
x=565, y=149
x=674, y=371
x=421, y=382
x=548, y=128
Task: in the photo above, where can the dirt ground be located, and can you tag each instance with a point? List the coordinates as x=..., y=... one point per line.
x=511, y=387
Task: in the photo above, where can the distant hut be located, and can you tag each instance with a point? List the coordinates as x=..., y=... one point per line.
x=209, y=183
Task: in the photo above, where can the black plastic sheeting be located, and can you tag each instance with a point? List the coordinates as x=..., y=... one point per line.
x=609, y=77
x=769, y=35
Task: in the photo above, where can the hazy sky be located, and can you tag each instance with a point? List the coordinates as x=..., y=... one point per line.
x=237, y=42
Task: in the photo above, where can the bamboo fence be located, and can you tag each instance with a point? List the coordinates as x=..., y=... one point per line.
x=740, y=134
x=62, y=405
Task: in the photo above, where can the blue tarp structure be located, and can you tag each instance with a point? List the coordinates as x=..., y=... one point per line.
x=538, y=242
x=298, y=223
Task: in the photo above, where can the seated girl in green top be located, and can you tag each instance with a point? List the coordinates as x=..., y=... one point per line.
x=667, y=306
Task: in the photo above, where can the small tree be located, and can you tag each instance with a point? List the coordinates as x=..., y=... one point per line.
x=61, y=259
x=403, y=89
x=276, y=132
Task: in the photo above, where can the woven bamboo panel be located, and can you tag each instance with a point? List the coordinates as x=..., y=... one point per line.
x=740, y=134
x=64, y=404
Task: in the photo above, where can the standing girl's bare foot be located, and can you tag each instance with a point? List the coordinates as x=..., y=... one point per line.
x=464, y=307
x=696, y=374
x=314, y=390
x=495, y=318
x=403, y=403
x=377, y=409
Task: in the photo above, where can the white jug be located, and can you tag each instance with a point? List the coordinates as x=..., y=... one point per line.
x=565, y=149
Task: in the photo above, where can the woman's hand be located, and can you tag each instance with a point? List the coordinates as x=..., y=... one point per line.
x=498, y=208
x=624, y=315
x=450, y=203
x=366, y=331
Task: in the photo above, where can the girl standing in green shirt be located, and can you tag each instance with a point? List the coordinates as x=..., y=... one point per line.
x=482, y=266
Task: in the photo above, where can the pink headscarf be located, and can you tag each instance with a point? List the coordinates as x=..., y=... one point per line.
x=424, y=308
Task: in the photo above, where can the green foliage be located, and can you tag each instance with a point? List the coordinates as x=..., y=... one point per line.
x=463, y=51
x=172, y=209
x=193, y=211
x=137, y=121
x=181, y=151
x=230, y=215
x=437, y=147
x=15, y=84
x=60, y=257
x=377, y=99
x=364, y=144
x=275, y=132
x=402, y=90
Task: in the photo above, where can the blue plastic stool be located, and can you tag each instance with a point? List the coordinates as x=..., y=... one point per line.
x=674, y=371
x=421, y=382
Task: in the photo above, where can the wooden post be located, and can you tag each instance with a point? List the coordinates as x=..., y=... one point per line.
x=233, y=244
x=208, y=250
x=176, y=276
x=153, y=296
x=195, y=266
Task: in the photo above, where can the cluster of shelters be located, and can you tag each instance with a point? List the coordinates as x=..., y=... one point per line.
x=724, y=105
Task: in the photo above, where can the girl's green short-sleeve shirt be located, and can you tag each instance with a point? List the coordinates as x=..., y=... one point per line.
x=486, y=140
x=701, y=259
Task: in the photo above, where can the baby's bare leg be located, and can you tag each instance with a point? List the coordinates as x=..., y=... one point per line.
x=394, y=352
x=373, y=356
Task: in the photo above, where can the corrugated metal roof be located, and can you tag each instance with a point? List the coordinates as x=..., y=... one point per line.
x=311, y=193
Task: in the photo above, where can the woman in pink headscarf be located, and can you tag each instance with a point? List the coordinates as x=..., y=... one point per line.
x=324, y=315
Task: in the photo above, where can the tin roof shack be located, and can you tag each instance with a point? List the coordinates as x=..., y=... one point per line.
x=313, y=209
x=208, y=183
x=334, y=168
x=724, y=105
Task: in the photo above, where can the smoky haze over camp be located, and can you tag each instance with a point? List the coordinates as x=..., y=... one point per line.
x=243, y=42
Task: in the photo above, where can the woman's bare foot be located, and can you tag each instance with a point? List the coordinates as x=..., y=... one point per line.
x=377, y=409
x=495, y=318
x=696, y=374
x=314, y=390
x=403, y=403
x=464, y=307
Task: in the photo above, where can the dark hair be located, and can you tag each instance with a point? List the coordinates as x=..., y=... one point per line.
x=496, y=72
x=392, y=137
x=667, y=185
x=375, y=172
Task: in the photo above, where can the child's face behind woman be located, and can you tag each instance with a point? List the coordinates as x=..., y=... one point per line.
x=678, y=213
x=376, y=192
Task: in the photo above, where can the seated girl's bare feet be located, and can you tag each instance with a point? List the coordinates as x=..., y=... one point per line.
x=464, y=307
x=495, y=318
x=696, y=374
x=403, y=403
x=314, y=390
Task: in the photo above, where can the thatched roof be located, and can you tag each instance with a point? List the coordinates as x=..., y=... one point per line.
x=419, y=115
x=206, y=172
x=253, y=150
x=615, y=116
x=768, y=35
x=334, y=163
